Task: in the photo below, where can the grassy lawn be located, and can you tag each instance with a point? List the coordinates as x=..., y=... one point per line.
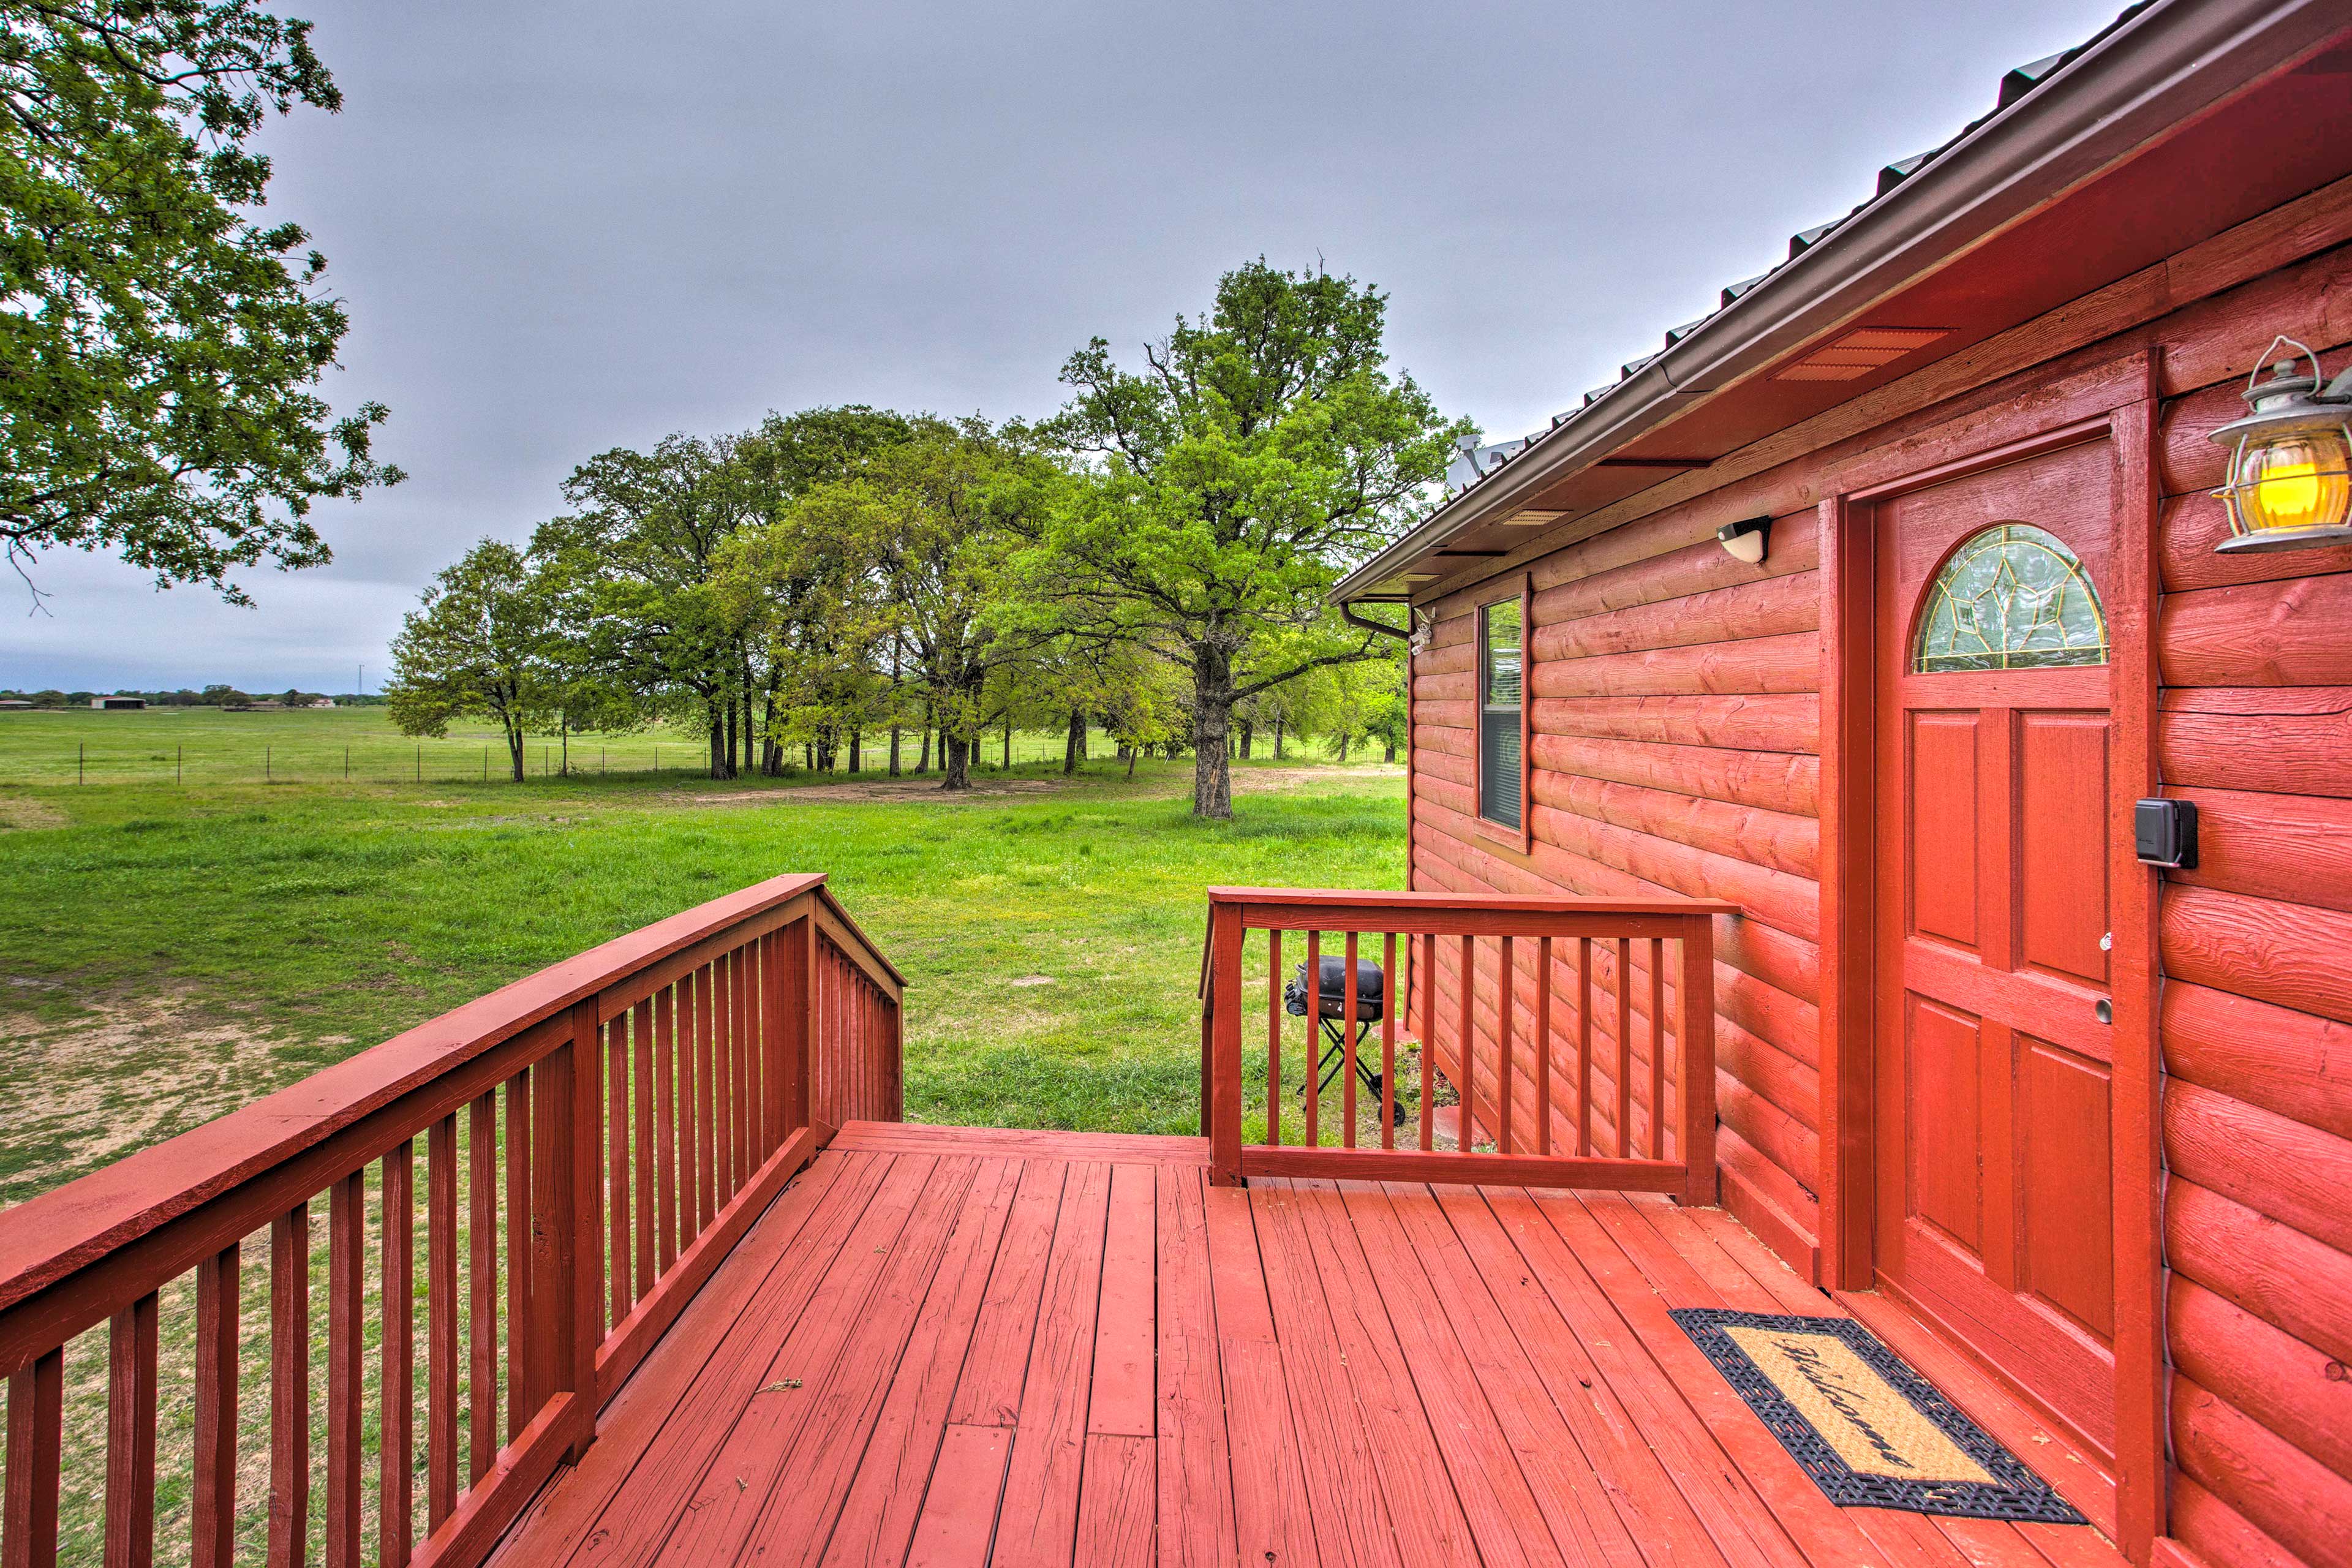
x=172, y=953
x=168, y=952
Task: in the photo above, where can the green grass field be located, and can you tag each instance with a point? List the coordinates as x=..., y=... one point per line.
x=173, y=951
x=170, y=952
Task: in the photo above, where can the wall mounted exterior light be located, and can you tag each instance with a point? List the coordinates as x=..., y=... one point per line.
x=1746, y=541
x=2290, y=481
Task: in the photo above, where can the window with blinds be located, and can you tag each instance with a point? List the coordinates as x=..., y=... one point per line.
x=1499, y=697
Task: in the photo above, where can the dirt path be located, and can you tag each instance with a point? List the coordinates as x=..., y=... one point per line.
x=1246, y=781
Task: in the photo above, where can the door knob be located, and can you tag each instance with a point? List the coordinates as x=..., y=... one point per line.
x=2103, y=1010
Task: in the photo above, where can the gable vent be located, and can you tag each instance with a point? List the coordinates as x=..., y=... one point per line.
x=1860, y=352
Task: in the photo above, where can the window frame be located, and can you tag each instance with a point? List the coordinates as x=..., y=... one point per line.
x=1519, y=835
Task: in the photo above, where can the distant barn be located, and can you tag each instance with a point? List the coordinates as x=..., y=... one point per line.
x=109, y=704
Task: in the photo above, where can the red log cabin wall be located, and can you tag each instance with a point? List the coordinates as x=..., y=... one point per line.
x=2255, y=726
x=1677, y=735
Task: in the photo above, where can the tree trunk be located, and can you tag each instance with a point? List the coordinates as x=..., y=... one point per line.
x=955, y=759
x=1343, y=750
x=1213, y=724
x=514, y=749
x=1278, y=726
x=1391, y=750
x=564, y=723
x=1076, y=741
x=1249, y=737
x=1132, y=753
x=771, y=750
x=1008, y=745
x=856, y=747
x=719, y=759
x=923, y=762
x=894, y=750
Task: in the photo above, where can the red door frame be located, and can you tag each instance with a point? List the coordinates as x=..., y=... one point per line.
x=1848, y=805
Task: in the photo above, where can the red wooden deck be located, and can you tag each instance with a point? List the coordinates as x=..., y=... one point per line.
x=946, y=1346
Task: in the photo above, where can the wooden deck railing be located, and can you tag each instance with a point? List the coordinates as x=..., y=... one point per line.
x=596, y=1137
x=1547, y=1015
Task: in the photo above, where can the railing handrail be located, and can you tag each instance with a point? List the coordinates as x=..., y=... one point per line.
x=1532, y=903
x=51, y=1237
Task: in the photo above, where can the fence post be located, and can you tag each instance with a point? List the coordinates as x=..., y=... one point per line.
x=1695, y=1025
x=1226, y=1045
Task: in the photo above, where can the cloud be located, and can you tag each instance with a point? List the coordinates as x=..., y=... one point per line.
x=565, y=228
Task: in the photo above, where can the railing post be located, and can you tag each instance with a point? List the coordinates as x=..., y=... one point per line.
x=798, y=942
x=1226, y=1045
x=1694, y=1029
x=567, y=1222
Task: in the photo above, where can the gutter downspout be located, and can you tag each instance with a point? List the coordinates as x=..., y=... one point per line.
x=2163, y=67
x=1348, y=613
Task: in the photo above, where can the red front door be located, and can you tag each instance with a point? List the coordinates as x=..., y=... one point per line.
x=1994, y=1050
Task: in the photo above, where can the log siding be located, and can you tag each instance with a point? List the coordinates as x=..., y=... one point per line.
x=1677, y=729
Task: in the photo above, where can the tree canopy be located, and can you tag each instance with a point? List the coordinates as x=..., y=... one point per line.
x=1260, y=452
x=160, y=348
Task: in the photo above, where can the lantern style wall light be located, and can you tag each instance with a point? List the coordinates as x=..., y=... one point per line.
x=2290, y=483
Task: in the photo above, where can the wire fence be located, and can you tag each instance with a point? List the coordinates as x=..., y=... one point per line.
x=49, y=761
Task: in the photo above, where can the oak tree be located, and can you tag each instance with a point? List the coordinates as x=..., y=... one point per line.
x=1260, y=452
x=160, y=346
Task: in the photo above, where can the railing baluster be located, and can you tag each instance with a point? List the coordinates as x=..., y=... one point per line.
x=1657, y=1047
x=1543, y=1045
x=1583, y=1046
x=1348, y=1047
x=28, y=1515
x=675, y=1020
x=1273, y=1037
x=1314, y=1035
x=346, y=1236
x=395, y=1451
x=290, y=1387
x=641, y=1167
x=1624, y=1144
x=1466, y=1138
x=1504, y=1004
x=747, y=1101
x=130, y=1435
x=440, y=1322
x=1428, y=1040
x=213, y=1502
x=706, y=1105
x=482, y=1255
x=723, y=1084
x=1388, y=1005
x=619, y=1274
x=519, y=1395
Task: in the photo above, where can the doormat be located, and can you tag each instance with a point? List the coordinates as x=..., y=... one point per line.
x=1870, y=1431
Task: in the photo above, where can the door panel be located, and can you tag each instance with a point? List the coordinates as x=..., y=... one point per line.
x=2061, y=883
x=1943, y=788
x=2063, y=1109
x=1993, y=1210
x=1940, y=1123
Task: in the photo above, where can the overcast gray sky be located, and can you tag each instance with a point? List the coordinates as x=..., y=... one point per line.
x=562, y=228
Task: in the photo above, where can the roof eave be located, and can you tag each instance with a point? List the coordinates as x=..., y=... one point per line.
x=2177, y=57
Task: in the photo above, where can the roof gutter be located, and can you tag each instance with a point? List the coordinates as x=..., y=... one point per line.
x=2164, y=65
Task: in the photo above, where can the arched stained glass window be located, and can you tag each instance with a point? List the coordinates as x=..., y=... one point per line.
x=2011, y=597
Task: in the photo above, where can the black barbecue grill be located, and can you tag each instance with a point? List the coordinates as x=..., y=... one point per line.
x=1331, y=1015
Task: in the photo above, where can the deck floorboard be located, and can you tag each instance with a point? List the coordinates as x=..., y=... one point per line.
x=961, y=1346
